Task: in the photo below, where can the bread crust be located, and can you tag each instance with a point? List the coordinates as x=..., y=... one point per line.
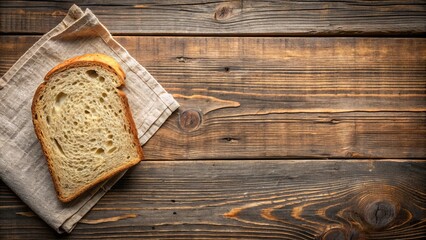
x=111, y=65
x=132, y=124
x=91, y=59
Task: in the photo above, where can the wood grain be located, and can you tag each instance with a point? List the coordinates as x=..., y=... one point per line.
x=256, y=101
x=282, y=97
x=307, y=18
x=278, y=199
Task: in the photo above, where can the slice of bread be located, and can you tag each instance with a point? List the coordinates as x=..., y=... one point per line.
x=84, y=124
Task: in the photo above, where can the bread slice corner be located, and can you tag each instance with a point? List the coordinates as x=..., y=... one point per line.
x=84, y=124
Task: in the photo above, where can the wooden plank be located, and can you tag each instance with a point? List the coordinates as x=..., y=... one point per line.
x=187, y=17
x=286, y=97
x=282, y=97
x=278, y=199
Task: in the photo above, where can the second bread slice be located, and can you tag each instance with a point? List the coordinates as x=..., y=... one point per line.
x=84, y=124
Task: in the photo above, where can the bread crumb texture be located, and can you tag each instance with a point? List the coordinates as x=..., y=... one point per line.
x=80, y=118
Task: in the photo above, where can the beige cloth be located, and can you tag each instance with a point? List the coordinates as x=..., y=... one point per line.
x=22, y=164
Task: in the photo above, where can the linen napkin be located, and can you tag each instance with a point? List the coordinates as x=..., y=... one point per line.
x=22, y=165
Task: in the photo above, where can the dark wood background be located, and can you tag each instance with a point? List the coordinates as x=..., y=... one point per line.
x=298, y=120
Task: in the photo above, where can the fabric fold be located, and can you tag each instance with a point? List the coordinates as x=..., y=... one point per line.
x=22, y=164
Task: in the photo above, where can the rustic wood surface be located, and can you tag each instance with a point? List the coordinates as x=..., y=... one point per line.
x=282, y=97
x=298, y=120
x=252, y=199
x=271, y=199
x=240, y=17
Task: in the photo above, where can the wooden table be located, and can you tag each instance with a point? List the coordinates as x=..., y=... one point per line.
x=298, y=120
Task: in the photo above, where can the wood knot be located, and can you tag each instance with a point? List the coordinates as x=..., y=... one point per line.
x=334, y=234
x=183, y=59
x=378, y=207
x=340, y=234
x=223, y=12
x=189, y=120
x=380, y=213
x=58, y=13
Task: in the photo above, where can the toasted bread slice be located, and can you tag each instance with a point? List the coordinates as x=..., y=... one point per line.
x=84, y=124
